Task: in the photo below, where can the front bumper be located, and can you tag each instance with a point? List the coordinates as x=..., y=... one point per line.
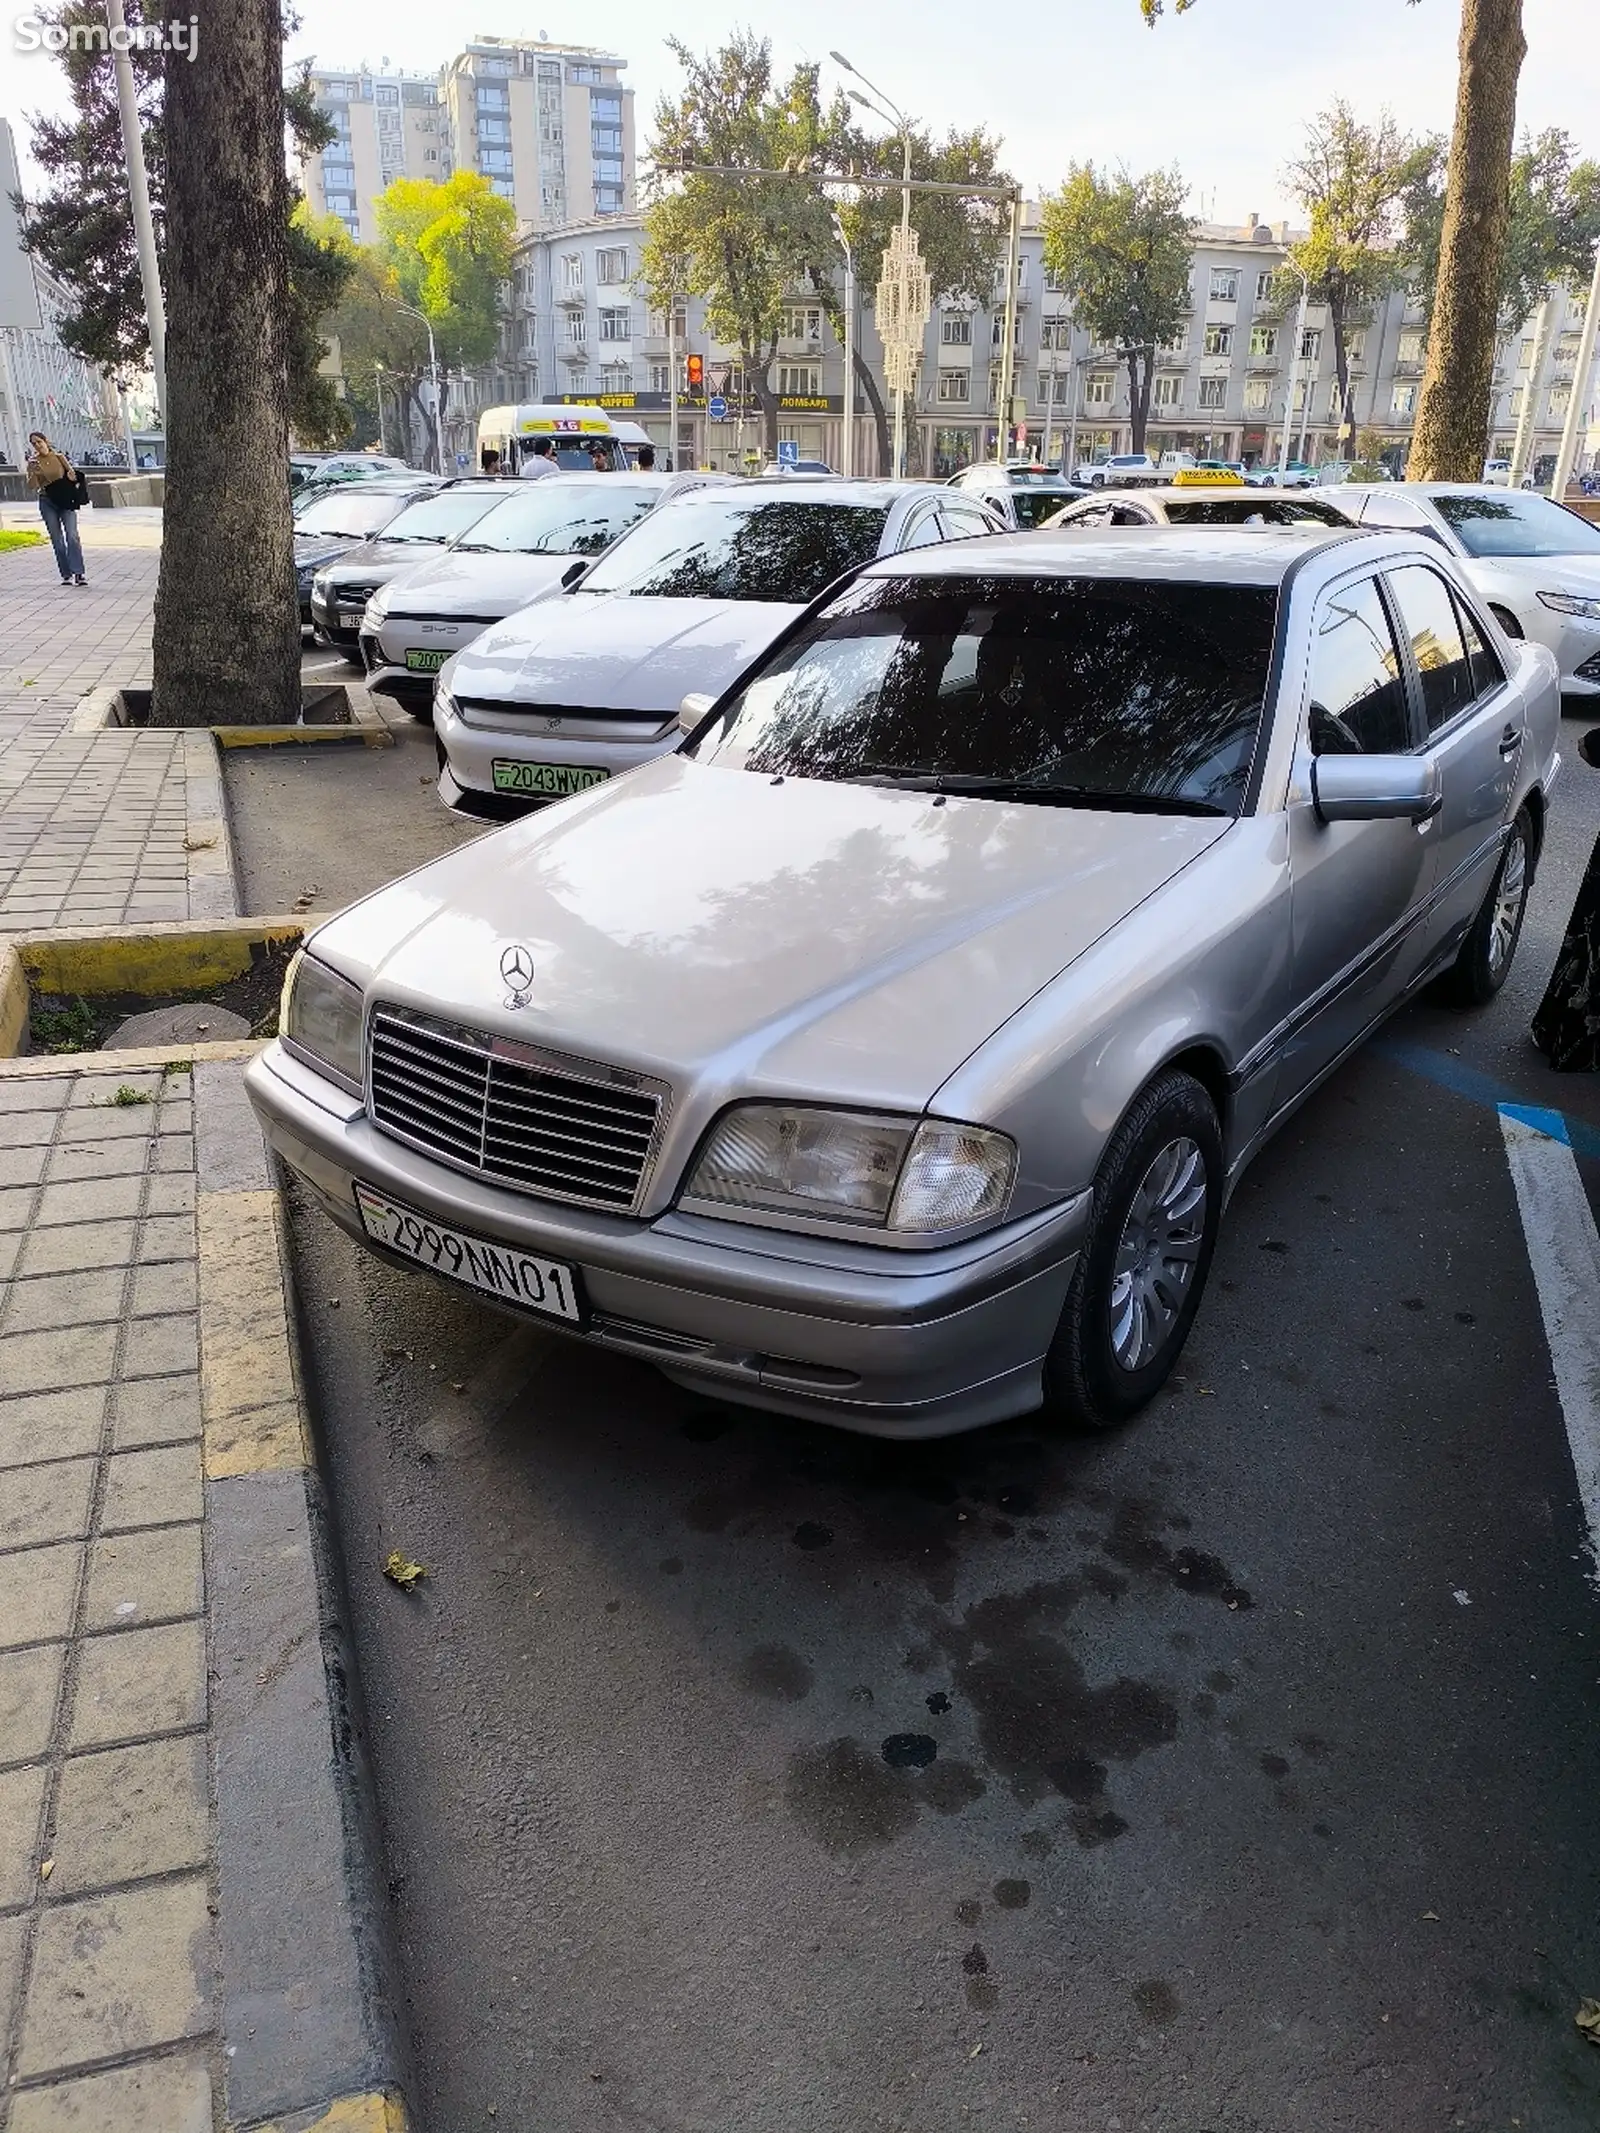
x=337, y=623
x=384, y=649
x=891, y=1343
x=613, y=744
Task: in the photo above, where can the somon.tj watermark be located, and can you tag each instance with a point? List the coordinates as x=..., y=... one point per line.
x=33, y=33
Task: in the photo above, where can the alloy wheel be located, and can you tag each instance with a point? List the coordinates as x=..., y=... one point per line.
x=1510, y=891
x=1157, y=1253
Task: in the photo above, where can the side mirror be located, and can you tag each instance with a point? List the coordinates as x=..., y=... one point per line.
x=571, y=575
x=1375, y=788
x=693, y=709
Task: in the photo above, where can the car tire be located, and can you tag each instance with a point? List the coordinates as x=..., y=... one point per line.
x=1507, y=621
x=1097, y=481
x=1483, y=962
x=1126, y=1316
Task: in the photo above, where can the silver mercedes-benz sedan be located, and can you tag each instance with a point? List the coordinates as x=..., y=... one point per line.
x=888, y=1053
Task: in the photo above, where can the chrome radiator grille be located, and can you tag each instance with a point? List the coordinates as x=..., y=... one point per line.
x=561, y=1131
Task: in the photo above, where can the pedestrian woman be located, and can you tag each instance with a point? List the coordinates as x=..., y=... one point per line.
x=55, y=478
x=1567, y=1027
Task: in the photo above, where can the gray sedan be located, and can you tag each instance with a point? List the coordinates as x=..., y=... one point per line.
x=888, y=1054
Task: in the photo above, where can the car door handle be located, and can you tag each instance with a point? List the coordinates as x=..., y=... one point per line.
x=1511, y=740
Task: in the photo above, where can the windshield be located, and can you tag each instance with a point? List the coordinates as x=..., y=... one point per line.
x=441, y=518
x=787, y=551
x=355, y=510
x=1512, y=524
x=551, y=519
x=1080, y=691
x=1250, y=510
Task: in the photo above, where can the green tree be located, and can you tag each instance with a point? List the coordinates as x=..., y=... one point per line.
x=1352, y=180
x=742, y=243
x=1552, y=226
x=963, y=242
x=1121, y=246
x=449, y=245
x=383, y=347
x=1458, y=385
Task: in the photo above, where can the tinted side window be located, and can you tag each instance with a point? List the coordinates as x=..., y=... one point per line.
x=1357, y=700
x=924, y=531
x=964, y=521
x=1126, y=515
x=1428, y=616
x=1487, y=672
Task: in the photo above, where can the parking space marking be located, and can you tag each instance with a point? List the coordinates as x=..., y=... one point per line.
x=1453, y=1074
x=1564, y=1251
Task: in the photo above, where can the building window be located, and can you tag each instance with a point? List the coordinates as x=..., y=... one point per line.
x=955, y=385
x=608, y=199
x=1311, y=344
x=1053, y=388
x=1403, y=401
x=1410, y=348
x=615, y=378
x=660, y=378
x=1514, y=406
x=495, y=160
x=1218, y=341
x=1355, y=346
x=607, y=171
x=1055, y=333
x=1178, y=343
x=385, y=93
x=1264, y=282
x=1213, y=393
x=1257, y=394
x=584, y=74
x=1263, y=341
x=802, y=322
x=572, y=270
x=1560, y=400
x=1224, y=286
x=577, y=325
x=797, y=380
x=1168, y=388
x=955, y=330
x=1335, y=401
x=606, y=140
x=606, y=110
x=494, y=129
x=494, y=98
x=1100, y=388
x=615, y=325
x=1567, y=347
x=658, y=323
x=1056, y=283
x=611, y=266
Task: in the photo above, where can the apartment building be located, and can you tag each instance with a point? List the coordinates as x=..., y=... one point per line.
x=385, y=126
x=579, y=329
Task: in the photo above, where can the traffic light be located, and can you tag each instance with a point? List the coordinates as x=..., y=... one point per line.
x=695, y=366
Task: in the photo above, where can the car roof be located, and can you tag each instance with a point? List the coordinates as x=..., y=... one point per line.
x=1197, y=492
x=1235, y=556
x=818, y=489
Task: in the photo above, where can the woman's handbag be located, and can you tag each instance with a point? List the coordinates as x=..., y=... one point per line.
x=80, y=491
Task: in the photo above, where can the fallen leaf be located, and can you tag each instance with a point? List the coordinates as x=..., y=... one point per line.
x=1588, y=2019
x=198, y=844
x=400, y=1572
x=49, y=1868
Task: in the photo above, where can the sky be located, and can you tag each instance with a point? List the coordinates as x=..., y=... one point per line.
x=1224, y=91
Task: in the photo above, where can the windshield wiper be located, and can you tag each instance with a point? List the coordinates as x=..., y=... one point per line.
x=975, y=786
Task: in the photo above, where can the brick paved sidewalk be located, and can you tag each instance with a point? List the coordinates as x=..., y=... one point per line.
x=110, y=828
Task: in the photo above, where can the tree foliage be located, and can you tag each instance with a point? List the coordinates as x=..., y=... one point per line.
x=450, y=243
x=1551, y=232
x=382, y=346
x=1121, y=246
x=81, y=229
x=1352, y=180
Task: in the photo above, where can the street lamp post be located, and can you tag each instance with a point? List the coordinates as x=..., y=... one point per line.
x=377, y=382
x=1294, y=372
x=847, y=452
x=433, y=367
x=885, y=108
x=144, y=228
x=1578, y=400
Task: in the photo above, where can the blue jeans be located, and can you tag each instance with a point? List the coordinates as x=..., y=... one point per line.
x=63, y=529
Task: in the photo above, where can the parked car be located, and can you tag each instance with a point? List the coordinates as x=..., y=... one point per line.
x=341, y=589
x=798, y=466
x=1024, y=496
x=1203, y=507
x=341, y=518
x=1120, y=470
x=1535, y=562
x=1497, y=473
x=535, y=540
x=1295, y=475
x=990, y=925
x=307, y=469
x=574, y=690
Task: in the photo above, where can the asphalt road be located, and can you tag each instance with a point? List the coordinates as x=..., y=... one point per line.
x=1236, y=1774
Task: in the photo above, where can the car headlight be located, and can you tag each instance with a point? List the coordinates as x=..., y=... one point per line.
x=855, y=1166
x=444, y=701
x=319, y=585
x=304, y=574
x=377, y=606
x=1572, y=604
x=320, y=1020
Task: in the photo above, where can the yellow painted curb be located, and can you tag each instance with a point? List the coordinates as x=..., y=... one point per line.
x=372, y=2113
x=178, y=955
x=13, y=1001
x=251, y=1414
x=340, y=736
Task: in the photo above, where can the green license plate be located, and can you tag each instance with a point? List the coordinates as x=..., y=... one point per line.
x=425, y=662
x=553, y=779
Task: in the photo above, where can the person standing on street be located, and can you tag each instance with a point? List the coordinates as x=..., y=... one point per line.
x=56, y=481
x=646, y=461
x=540, y=461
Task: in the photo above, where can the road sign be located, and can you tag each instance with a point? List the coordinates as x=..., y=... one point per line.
x=717, y=375
x=717, y=408
x=788, y=451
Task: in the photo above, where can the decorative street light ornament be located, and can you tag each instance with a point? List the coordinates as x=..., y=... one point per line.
x=902, y=307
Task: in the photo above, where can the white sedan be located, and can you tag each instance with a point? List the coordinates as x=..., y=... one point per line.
x=540, y=538
x=1535, y=563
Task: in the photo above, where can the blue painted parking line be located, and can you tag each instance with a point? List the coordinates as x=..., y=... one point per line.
x=1448, y=1073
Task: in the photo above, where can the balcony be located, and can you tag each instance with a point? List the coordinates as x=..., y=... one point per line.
x=571, y=297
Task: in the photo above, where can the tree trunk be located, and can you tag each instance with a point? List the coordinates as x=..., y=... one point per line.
x=760, y=376
x=1341, y=372
x=1452, y=426
x=227, y=631
x=880, y=414
x=1141, y=373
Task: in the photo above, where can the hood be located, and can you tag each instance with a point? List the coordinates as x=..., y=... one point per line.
x=736, y=936
x=316, y=549
x=614, y=652
x=378, y=561
x=483, y=587
x=1528, y=574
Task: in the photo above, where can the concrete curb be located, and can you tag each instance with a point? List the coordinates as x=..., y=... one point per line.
x=308, y=2005
x=366, y=728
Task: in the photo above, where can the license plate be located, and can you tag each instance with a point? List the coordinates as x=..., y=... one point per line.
x=553, y=779
x=425, y=662
x=500, y=1270
x=351, y=616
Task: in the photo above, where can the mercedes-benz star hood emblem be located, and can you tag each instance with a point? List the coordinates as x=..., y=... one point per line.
x=516, y=967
